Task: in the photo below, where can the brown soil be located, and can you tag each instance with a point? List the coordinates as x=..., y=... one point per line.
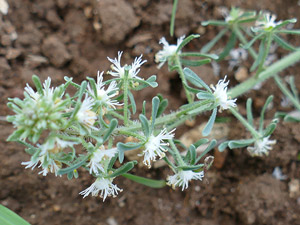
x=73, y=38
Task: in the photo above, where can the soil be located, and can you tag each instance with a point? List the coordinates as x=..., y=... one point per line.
x=73, y=38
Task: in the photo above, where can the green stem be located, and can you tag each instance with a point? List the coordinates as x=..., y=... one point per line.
x=286, y=91
x=182, y=77
x=177, y=153
x=172, y=25
x=132, y=134
x=241, y=37
x=117, y=115
x=265, y=55
x=264, y=75
x=255, y=134
x=125, y=86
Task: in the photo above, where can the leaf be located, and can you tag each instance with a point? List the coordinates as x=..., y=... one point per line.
x=145, y=125
x=194, y=79
x=145, y=181
x=297, y=32
x=200, y=142
x=126, y=147
x=193, y=167
x=210, y=123
x=283, y=43
x=211, y=44
x=123, y=169
x=214, y=22
x=144, y=108
x=37, y=82
x=8, y=217
x=93, y=84
x=132, y=101
x=198, y=54
x=186, y=41
x=270, y=129
x=223, y=146
x=162, y=106
x=260, y=55
x=74, y=166
x=250, y=43
x=262, y=113
x=172, y=24
x=240, y=143
x=113, y=124
x=249, y=111
x=211, y=145
x=155, y=105
x=228, y=47
x=194, y=62
x=205, y=95
x=191, y=155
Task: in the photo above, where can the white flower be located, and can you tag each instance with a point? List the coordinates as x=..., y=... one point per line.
x=48, y=164
x=268, y=22
x=3, y=7
x=104, y=186
x=168, y=51
x=220, y=93
x=98, y=157
x=261, y=147
x=85, y=115
x=105, y=96
x=182, y=178
x=55, y=145
x=119, y=71
x=156, y=147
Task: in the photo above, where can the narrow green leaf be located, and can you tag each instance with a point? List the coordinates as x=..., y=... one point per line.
x=270, y=129
x=123, y=169
x=194, y=79
x=240, y=143
x=93, y=85
x=162, y=106
x=132, y=101
x=194, y=62
x=144, y=108
x=8, y=217
x=37, y=82
x=210, y=123
x=293, y=87
x=211, y=44
x=228, y=47
x=73, y=167
x=205, y=95
x=193, y=167
x=260, y=55
x=191, y=155
x=172, y=24
x=126, y=147
x=214, y=22
x=211, y=145
x=145, y=125
x=198, y=54
x=262, y=113
x=155, y=105
x=283, y=43
x=113, y=124
x=200, y=142
x=223, y=146
x=297, y=32
x=250, y=43
x=186, y=41
x=145, y=181
x=249, y=111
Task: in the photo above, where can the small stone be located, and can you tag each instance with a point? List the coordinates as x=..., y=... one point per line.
x=12, y=53
x=55, y=51
x=6, y=40
x=241, y=74
x=294, y=188
x=56, y=208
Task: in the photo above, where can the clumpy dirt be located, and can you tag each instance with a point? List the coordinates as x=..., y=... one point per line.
x=73, y=38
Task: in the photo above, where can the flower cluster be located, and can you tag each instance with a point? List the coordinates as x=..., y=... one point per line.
x=183, y=177
x=167, y=52
x=261, y=147
x=156, y=147
x=220, y=93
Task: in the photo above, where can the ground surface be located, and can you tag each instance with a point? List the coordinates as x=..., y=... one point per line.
x=64, y=37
